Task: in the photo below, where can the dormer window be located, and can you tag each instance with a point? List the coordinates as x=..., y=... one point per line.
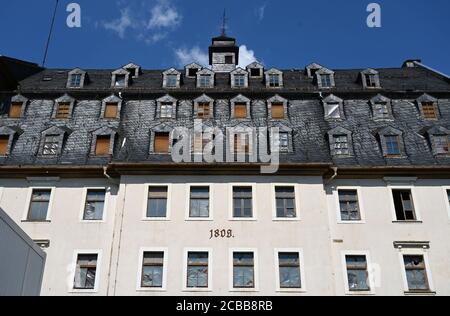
x=192, y=72
x=120, y=81
x=334, y=107
x=340, y=146
x=52, y=140
x=392, y=142
x=332, y=110
x=381, y=108
x=229, y=60
x=172, y=81
x=4, y=144
x=340, y=142
x=274, y=80
x=120, y=78
x=205, y=78
x=76, y=78
x=239, y=78
x=102, y=145
x=392, y=145
x=133, y=69
x=311, y=70
x=255, y=70
x=203, y=110
x=51, y=145
x=171, y=78
x=111, y=110
x=240, y=107
x=7, y=135
x=166, y=109
x=441, y=144
x=370, y=79
x=192, y=69
x=205, y=81
x=203, y=107
x=17, y=107
x=325, y=78
x=428, y=107
x=63, y=107
x=277, y=108
x=111, y=107
x=103, y=142
x=240, y=110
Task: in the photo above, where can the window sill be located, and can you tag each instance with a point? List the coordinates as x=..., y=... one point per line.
x=199, y=219
x=291, y=291
x=351, y=222
x=79, y=291
x=407, y=222
x=36, y=222
x=243, y=219
x=244, y=290
x=143, y=289
x=427, y=293
x=277, y=219
x=359, y=293
x=92, y=221
x=206, y=290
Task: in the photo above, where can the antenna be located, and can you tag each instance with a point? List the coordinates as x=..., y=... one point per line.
x=224, y=23
x=50, y=34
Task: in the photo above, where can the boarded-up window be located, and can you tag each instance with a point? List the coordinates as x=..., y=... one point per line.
x=111, y=110
x=102, y=145
x=240, y=110
x=278, y=111
x=63, y=110
x=161, y=145
x=4, y=141
x=242, y=143
x=15, y=111
x=203, y=110
x=429, y=110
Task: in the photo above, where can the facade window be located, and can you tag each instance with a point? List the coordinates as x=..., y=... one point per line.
x=392, y=145
x=197, y=270
x=349, y=205
x=371, y=80
x=205, y=81
x=441, y=144
x=192, y=72
x=274, y=80
x=63, y=110
x=240, y=110
x=341, y=146
x=404, y=205
x=75, y=80
x=152, y=270
x=241, y=143
x=429, y=111
x=161, y=145
x=172, y=81
x=332, y=110
x=39, y=204
x=243, y=270
x=229, y=60
x=166, y=109
x=199, y=202
x=289, y=269
x=95, y=203
x=203, y=110
x=277, y=110
x=121, y=80
x=239, y=80
x=4, y=144
x=157, y=202
x=255, y=72
x=102, y=145
x=416, y=273
x=325, y=80
x=111, y=110
x=242, y=202
x=285, y=202
x=15, y=110
x=51, y=145
x=357, y=273
x=85, y=273
x=448, y=197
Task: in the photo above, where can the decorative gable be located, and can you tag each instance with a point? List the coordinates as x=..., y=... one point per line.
x=133, y=69
x=311, y=70
x=192, y=69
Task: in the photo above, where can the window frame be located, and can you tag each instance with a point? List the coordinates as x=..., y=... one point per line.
x=391, y=188
x=188, y=202
x=362, y=212
x=232, y=289
x=28, y=205
x=185, y=288
x=98, y=270
x=105, y=204
x=139, y=287
x=278, y=288
x=416, y=252
x=231, y=217
x=297, y=194
x=447, y=202
x=370, y=272
x=147, y=187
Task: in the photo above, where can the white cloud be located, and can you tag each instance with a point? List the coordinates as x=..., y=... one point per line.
x=150, y=22
x=246, y=56
x=261, y=12
x=186, y=56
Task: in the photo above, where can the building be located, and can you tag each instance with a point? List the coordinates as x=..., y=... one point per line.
x=359, y=205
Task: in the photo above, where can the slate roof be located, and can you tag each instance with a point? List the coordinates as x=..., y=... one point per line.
x=306, y=115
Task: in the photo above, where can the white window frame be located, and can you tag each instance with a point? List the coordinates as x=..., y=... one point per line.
x=139, y=287
x=105, y=205
x=210, y=270
x=147, y=186
x=370, y=272
x=297, y=202
x=188, y=202
x=277, y=251
x=447, y=188
x=73, y=269
x=255, y=270
x=416, y=252
x=50, y=203
x=391, y=189
x=362, y=212
x=230, y=199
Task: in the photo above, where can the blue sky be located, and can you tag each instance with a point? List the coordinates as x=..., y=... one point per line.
x=284, y=33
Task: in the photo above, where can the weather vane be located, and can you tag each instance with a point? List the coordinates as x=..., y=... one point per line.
x=224, y=23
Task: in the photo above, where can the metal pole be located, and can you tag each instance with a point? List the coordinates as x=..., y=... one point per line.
x=50, y=34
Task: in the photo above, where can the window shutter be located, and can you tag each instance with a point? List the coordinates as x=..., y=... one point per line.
x=240, y=110
x=63, y=110
x=161, y=143
x=15, y=110
x=111, y=110
x=277, y=110
x=4, y=141
x=102, y=145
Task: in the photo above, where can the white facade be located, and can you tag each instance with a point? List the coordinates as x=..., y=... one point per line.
x=318, y=235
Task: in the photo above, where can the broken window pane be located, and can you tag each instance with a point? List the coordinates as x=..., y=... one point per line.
x=152, y=269
x=289, y=266
x=357, y=274
x=51, y=145
x=242, y=202
x=243, y=270
x=404, y=206
x=199, y=202
x=197, y=270
x=40, y=200
x=349, y=206
x=85, y=272
x=285, y=202
x=416, y=273
x=95, y=201
x=341, y=146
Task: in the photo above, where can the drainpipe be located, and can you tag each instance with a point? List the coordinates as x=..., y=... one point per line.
x=107, y=176
x=335, y=174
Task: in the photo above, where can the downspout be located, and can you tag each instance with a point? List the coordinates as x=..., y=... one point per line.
x=107, y=176
x=335, y=174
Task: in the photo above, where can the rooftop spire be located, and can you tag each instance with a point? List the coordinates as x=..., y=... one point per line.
x=224, y=23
